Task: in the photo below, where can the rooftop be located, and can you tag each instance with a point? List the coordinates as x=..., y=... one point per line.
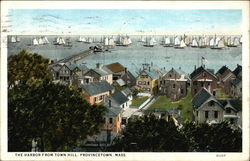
x=95, y=88
x=202, y=96
x=115, y=67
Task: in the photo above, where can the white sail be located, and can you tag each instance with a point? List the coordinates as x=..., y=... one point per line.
x=167, y=41
x=177, y=41
x=13, y=39
x=57, y=40
x=80, y=39
x=221, y=44
x=211, y=43
x=182, y=44
x=106, y=41
x=45, y=40
x=34, y=41
x=194, y=43
x=217, y=40
x=111, y=42
x=125, y=41
x=241, y=39
x=129, y=41
x=236, y=41
x=143, y=39
x=151, y=41
x=40, y=41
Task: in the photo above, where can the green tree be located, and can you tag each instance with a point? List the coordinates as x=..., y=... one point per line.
x=213, y=138
x=27, y=66
x=150, y=134
x=53, y=114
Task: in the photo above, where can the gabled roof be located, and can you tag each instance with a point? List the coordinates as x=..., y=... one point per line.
x=71, y=66
x=115, y=67
x=95, y=88
x=103, y=71
x=202, y=96
x=119, y=98
x=56, y=68
x=237, y=104
x=152, y=73
x=199, y=70
x=128, y=76
x=222, y=70
x=237, y=70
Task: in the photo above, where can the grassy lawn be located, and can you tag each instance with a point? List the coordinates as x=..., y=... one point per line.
x=185, y=105
x=137, y=101
x=220, y=94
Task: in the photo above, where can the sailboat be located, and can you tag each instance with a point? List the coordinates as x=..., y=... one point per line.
x=181, y=46
x=34, y=42
x=234, y=42
x=40, y=41
x=45, y=40
x=240, y=39
x=202, y=43
x=220, y=45
x=194, y=43
x=59, y=41
x=17, y=39
x=150, y=42
x=167, y=42
x=13, y=39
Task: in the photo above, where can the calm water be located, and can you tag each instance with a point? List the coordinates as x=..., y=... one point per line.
x=135, y=55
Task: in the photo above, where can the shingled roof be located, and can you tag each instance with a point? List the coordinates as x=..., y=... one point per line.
x=202, y=96
x=199, y=70
x=237, y=70
x=117, y=99
x=113, y=111
x=235, y=103
x=115, y=67
x=95, y=88
x=235, y=82
x=222, y=70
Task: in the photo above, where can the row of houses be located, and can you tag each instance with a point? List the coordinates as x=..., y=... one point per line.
x=175, y=82
x=98, y=86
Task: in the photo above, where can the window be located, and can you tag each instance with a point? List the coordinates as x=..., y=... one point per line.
x=204, y=74
x=122, y=105
x=216, y=114
x=206, y=114
x=195, y=83
x=144, y=83
x=202, y=84
x=195, y=91
x=110, y=120
x=173, y=85
x=170, y=75
x=197, y=113
x=148, y=83
x=228, y=110
x=208, y=84
x=95, y=99
x=100, y=98
x=139, y=82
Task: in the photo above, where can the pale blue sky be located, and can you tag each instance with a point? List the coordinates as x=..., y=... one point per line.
x=125, y=21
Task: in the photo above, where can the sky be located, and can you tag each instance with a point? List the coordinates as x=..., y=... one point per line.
x=137, y=21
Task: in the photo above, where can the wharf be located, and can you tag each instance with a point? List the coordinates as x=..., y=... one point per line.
x=74, y=58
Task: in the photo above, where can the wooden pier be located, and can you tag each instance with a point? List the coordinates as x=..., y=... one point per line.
x=74, y=58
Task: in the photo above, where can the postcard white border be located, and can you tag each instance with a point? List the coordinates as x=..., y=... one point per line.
x=243, y=5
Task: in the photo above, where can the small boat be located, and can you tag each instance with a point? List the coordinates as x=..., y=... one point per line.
x=150, y=42
x=167, y=42
x=13, y=39
x=34, y=42
x=181, y=46
x=220, y=45
x=194, y=43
